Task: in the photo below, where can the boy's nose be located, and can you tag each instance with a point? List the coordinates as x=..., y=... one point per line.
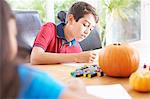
x=87, y=31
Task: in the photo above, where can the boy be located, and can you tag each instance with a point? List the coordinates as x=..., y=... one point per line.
x=51, y=41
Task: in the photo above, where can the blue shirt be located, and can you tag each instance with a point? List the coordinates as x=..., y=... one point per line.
x=38, y=85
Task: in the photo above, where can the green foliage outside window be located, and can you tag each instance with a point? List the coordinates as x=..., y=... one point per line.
x=39, y=5
x=130, y=6
x=106, y=5
x=62, y=5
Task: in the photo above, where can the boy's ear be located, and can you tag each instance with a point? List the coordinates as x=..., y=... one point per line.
x=70, y=19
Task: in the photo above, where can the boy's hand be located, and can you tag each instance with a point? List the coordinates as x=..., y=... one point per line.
x=86, y=57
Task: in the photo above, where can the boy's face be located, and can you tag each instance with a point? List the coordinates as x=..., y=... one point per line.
x=82, y=28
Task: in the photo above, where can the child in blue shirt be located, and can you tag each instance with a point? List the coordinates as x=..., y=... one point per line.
x=38, y=84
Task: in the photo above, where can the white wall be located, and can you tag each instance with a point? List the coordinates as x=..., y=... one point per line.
x=145, y=20
x=143, y=45
x=50, y=10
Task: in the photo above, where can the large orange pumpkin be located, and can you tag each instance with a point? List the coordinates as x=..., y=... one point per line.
x=140, y=81
x=119, y=60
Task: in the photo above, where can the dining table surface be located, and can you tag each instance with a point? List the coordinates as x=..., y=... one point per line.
x=62, y=71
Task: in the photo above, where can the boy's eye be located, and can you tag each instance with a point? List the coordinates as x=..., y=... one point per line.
x=86, y=25
x=91, y=28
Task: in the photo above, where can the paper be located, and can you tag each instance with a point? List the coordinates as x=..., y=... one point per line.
x=76, y=64
x=115, y=91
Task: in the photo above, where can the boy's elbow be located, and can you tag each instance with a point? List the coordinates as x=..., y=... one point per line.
x=35, y=57
x=33, y=60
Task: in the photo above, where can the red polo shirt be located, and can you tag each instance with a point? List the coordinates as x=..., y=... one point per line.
x=51, y=38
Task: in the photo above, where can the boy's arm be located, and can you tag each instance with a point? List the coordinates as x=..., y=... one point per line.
x=39, y=56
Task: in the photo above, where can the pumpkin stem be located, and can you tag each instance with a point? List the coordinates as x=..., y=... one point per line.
x=116, y=44
x=145, y=66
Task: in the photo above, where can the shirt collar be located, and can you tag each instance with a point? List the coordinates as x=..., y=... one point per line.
x=60, y=34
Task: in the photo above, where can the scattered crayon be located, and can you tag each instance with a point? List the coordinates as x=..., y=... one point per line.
x=88, y=71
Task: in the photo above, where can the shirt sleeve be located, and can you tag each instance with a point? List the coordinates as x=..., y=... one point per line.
x=41, y=86
x=45, y=35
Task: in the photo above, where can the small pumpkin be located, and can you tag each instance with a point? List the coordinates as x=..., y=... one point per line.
x=119, y=60
x=140, y=81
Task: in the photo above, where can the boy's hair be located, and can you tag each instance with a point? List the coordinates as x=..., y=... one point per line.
x=62, y=16
x=79, y=9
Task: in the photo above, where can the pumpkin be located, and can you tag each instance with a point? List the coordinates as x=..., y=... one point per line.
x=140, y=81
x=119, y=60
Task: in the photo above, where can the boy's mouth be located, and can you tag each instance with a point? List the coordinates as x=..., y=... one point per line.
x=82, y=37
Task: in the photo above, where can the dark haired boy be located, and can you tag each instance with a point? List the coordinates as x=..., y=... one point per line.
x=59, y=45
